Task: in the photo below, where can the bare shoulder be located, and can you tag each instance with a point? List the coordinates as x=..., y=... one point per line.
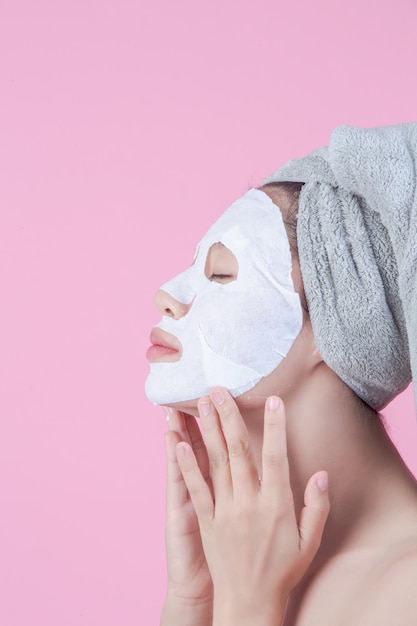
x=393, y=599
x=361, y=588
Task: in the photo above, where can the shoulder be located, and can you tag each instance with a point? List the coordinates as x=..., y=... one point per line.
x=394, y=598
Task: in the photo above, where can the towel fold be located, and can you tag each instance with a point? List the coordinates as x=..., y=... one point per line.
x=357, y=240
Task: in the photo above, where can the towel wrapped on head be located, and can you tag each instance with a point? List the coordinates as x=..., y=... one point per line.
x=357, y=241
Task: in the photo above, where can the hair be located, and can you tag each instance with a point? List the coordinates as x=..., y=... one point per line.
x=289, y=211
x=371, y=418
x=290, y=214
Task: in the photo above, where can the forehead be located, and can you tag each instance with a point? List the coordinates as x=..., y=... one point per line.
x=252, y=218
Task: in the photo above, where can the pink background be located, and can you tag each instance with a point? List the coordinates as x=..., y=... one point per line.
x=125, y=129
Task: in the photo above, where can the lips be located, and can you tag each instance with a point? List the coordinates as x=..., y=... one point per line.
x=165, y=347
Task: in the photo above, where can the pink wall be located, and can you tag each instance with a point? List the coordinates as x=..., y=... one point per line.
x=126, y=127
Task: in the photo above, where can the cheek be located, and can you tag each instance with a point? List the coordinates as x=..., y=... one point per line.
x=238, y=324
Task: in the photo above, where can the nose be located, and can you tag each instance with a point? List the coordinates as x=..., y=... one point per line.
x=169, y=306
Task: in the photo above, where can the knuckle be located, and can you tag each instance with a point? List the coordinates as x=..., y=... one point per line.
x=322, y=510
x=312, y=545
x=238, y=447
x=210, y=430
x=271, y=460
x=219, y=460
x=226, y=412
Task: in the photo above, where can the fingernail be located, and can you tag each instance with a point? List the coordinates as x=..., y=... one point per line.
x=322, y=482
x=167, y=412
x=218, y=397
x=273, y=403
x=205, y=407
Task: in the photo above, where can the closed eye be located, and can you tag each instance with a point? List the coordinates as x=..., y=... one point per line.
x=222, y=278
x=221, y=264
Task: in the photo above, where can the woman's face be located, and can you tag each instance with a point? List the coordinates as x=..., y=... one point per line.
x=233, y=315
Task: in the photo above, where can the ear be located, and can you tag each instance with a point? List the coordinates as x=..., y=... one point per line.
x=312, y=349
x=317, y=358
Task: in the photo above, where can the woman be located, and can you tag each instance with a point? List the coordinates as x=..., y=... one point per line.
x=250, y=543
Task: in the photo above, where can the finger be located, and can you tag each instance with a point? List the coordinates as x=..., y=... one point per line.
x=314, y=514
x=218, y=456
x=176, y=493
x=275, y=469
x=197, y=443
x=197, y=487
x=242, y=468
x=187, y=428
x=176, y=422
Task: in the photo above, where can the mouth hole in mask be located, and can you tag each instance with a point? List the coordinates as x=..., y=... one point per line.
x=221, y=264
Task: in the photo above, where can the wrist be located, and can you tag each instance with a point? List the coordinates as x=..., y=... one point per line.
x=239, y=611
x=186, y=612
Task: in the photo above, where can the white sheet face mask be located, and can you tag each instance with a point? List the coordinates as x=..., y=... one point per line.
x=236, y=333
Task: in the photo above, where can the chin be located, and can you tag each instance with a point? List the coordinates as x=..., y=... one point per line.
x=247, y=401
x=187, y=406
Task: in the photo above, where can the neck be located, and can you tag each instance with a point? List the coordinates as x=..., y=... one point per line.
x=327, y=428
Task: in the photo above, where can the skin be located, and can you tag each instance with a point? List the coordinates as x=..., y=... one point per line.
x=256, y=549
x=364, y=568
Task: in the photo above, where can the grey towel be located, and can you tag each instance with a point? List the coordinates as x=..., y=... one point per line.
x=357, y=238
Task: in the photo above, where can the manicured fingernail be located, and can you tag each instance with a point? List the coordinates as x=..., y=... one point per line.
x=322, y=482
x=167, y=412
x=205, y=407
x=273, y=403
x=218, y=397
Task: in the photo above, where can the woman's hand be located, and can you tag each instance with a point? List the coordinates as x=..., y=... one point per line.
x=189, y=599
x=255, y=548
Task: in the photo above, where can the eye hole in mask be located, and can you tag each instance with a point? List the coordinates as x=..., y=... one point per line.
x=221, y=264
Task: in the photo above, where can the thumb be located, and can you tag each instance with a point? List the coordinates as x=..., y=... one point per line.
x=314, y=514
